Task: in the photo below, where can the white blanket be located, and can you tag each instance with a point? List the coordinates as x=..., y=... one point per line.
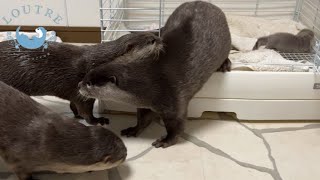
x=265, y=60
x=244, y=33
x=4, y=35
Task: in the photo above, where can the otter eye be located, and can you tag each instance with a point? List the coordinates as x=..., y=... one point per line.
x=129, y=47
x=89, y=83
x=153, y=41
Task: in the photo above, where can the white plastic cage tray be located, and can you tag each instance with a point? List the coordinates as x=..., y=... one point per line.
x=251, y=95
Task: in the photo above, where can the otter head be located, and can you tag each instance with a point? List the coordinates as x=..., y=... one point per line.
x=306, y=33
x=106, y=151
x=108, y=82
x=110, y=149
x=141, y=45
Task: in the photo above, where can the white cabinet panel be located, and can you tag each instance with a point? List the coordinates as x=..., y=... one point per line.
x=33, y=12
x=83, y=13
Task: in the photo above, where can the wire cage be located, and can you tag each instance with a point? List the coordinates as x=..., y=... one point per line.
x=119, y=17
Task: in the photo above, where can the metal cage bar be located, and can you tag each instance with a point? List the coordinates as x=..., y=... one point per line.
x=118, y=17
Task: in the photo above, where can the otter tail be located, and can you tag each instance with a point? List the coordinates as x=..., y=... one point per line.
x=226, y=66
x=260, y=42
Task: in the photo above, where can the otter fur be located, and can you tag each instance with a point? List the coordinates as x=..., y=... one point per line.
x=58, y=70
x=288, y=43
x=34, y=139
x=196, y=43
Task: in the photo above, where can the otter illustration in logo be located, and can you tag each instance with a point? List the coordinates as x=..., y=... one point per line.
x=35, y=41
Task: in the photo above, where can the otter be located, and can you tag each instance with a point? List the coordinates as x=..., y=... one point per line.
x=34, y=139
x=288, y=43
x=196, y=43
x=58, y=70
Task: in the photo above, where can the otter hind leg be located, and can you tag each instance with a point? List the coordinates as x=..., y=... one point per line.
x=174, y=120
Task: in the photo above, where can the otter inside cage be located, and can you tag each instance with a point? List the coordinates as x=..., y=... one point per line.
x=119, y=17
x=248, y=21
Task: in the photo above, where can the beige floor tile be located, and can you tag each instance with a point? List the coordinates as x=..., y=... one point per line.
x=180, y=162
x=219, y=168
x=135, y=145
x=296, y=153
x=231, y=138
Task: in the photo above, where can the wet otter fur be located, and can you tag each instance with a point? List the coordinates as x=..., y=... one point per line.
x=34, y=138
x=196, y=42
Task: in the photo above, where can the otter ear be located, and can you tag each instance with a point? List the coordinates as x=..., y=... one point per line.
x=106, y=159
x=113, y=80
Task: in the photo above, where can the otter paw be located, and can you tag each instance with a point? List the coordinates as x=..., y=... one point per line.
x=130, y=132
x=165, y=142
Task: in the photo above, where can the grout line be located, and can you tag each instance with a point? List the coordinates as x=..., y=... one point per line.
x=275, y=172
x=287, y=129
x=219, y=152
x=113, y=174
x=143, y=153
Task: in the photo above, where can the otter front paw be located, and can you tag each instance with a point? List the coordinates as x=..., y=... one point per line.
x=165, y=142
x=130, y=132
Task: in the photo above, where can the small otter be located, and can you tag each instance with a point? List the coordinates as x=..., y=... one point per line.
x=288, y=43
x=34, y=138
x=196, y=42
x=58, y=70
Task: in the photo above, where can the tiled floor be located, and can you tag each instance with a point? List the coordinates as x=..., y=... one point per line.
x=219, y=148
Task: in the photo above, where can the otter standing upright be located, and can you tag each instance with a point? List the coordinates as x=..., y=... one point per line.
x=196, y=42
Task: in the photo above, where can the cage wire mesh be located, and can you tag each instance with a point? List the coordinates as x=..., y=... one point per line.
x=119, y=17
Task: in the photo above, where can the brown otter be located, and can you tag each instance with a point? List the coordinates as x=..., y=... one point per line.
x=197, y=43
x=58, y=70
x=288, y=43
x=34, y=138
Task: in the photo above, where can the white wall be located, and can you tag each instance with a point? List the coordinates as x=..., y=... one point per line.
x=50, y=12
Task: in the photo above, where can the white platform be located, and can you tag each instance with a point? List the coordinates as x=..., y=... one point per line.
x=254, y=96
